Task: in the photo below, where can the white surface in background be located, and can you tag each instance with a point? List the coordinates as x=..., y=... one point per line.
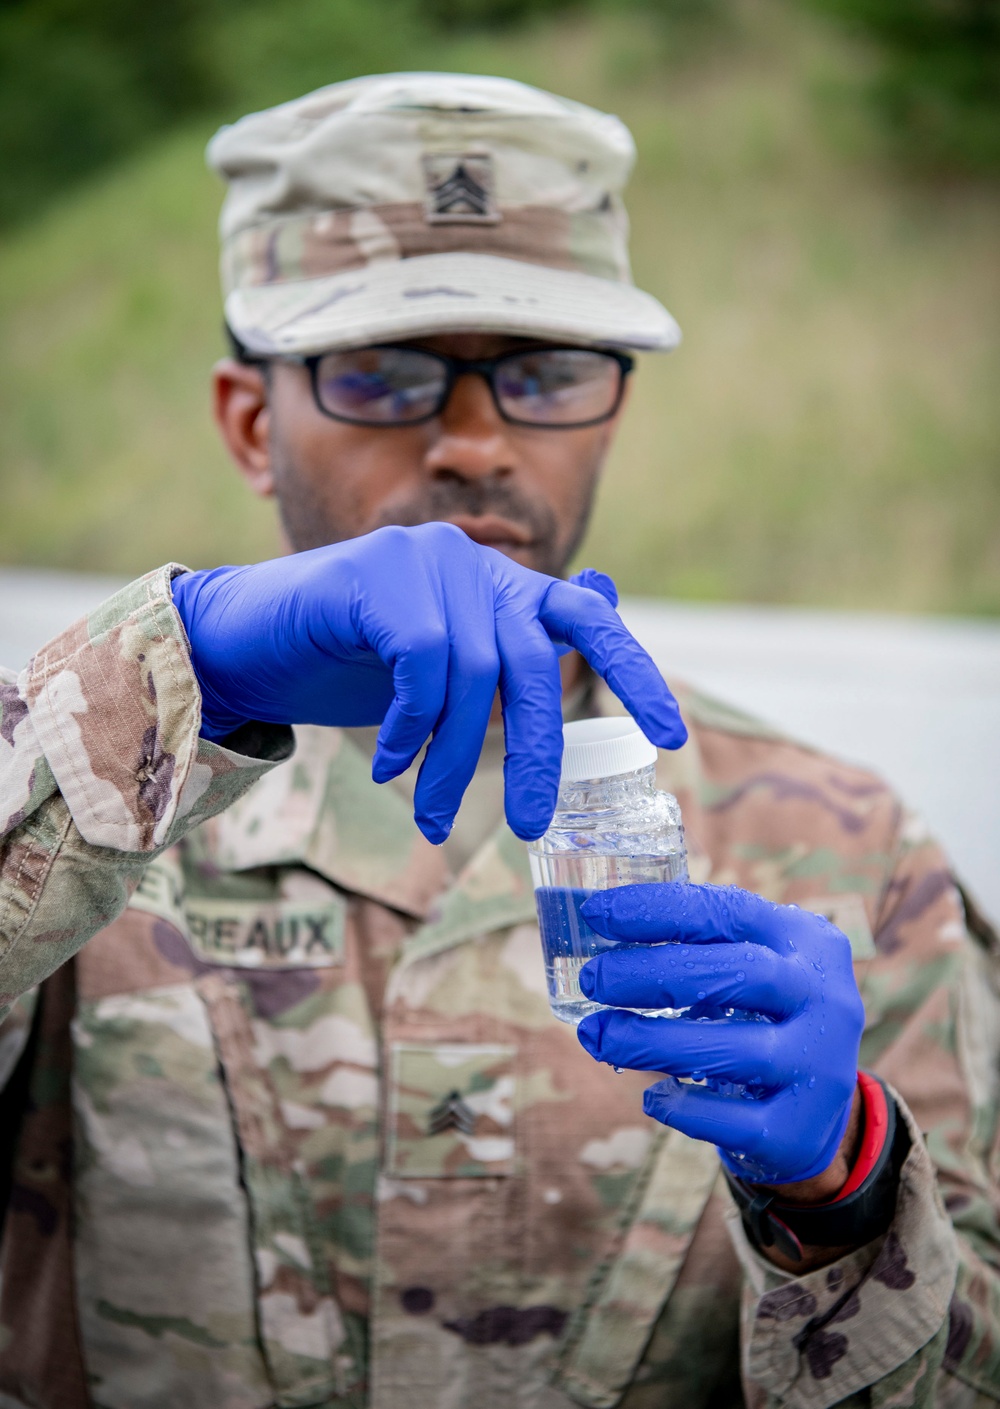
x=917, y=698
x=34, y=605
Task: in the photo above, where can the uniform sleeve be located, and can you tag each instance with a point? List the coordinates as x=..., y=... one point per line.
x=101, y=768
x=914, y=1318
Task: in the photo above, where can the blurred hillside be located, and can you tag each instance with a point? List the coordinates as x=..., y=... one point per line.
x=83, y=82
x=827, y=434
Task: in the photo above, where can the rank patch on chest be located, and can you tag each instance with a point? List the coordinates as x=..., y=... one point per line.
x=451, y=1111
x=459, y=189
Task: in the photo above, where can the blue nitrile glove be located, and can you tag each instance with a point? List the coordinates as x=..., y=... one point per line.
x=731, y=956
x=415, y=628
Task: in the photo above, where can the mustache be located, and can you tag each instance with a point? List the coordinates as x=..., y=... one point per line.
x=452, y=498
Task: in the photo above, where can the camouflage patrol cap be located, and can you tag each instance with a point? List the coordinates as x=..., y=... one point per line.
x=401, y=205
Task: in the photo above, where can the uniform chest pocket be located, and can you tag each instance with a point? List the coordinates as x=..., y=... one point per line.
x=452, y=1111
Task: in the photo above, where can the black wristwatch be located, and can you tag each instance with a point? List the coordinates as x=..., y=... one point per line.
x=857, y=1215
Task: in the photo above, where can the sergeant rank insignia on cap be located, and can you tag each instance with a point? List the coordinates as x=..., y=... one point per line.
x=460, y=189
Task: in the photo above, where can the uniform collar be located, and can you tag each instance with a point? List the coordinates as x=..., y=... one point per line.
x=321, y=809
x=495, y=889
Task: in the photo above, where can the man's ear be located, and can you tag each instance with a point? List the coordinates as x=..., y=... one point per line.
x=240, y=408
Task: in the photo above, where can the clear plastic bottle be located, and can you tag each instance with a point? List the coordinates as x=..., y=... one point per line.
x=611, y=828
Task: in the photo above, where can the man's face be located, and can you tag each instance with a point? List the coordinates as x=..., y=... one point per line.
x=525, y=491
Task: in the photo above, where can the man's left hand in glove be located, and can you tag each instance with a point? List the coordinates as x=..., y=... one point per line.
x=772, y=1025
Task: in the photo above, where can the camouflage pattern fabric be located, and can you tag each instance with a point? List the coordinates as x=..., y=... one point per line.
x=301, y=1130
x=522, y=174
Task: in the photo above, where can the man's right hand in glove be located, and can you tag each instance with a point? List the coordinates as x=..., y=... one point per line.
x=415, y=629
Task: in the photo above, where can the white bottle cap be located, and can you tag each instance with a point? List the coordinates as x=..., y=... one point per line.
x=602, y=748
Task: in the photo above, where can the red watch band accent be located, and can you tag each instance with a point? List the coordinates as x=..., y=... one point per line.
x=863, y=1208
x=876, y=1127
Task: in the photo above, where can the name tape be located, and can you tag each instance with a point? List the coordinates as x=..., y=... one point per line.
x=251, y=934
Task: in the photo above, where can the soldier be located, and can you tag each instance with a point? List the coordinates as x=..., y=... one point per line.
x=288, y=1120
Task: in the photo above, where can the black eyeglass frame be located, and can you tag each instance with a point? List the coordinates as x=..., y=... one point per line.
x=484, y=367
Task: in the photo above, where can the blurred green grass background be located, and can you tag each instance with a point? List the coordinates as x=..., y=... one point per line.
x=828, y=433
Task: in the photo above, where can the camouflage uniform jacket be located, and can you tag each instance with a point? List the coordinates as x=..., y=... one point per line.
x=295, y=1126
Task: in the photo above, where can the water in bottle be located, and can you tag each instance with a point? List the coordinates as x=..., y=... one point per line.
x=612, y=827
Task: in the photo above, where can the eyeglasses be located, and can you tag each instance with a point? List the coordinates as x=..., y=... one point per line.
x=551, y=388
